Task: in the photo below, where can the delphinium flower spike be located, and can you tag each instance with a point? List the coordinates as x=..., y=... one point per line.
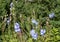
x=16, y=24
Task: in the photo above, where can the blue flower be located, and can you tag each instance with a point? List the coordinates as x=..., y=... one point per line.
x=34, y=21
x=33, y=34
x=42, y=31
x=11, y=4
x=17, y=27
x=51, y=15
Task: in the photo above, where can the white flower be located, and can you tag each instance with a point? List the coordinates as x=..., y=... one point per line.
x=17, y=27
x=42, y=31
x=34, y=21
x=51, y=15
x=8, y=21
x=33, y=34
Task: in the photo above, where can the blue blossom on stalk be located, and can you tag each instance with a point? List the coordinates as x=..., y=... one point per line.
x=34, y=21
x=42, y=31
x=11, y=4
x=33, y=34
x=17, y=27
x=51, y=15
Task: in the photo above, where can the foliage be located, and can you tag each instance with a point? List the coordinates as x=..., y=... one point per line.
x=23, y=12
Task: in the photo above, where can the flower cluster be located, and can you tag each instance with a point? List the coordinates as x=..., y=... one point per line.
x=42, y=31
x=17, y=27
x=33, y=34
